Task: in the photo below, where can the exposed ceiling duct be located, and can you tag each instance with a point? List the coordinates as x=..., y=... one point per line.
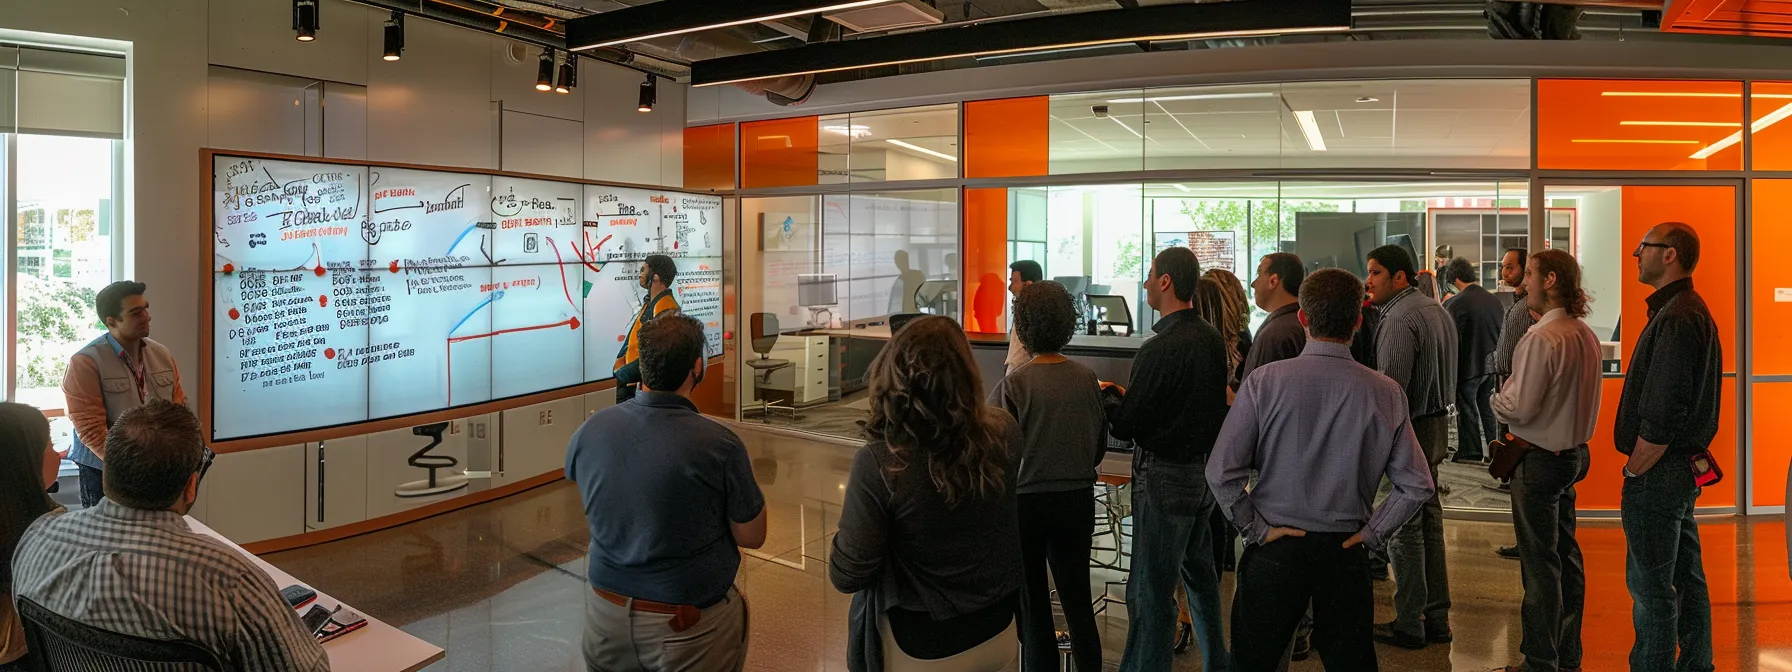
x=1533, y=21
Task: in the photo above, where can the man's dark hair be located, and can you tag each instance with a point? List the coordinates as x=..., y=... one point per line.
x=1287, y=266
x=1524, y=256
x=1028, y=269
x=151, y=451
x=670, y=346
x=1332, y=299
x=1395, y=259
x=663, y=266
x=1183, y=268
x=1685, y=241
x=110, y=302
x=1461, y=270
x=1044, y=317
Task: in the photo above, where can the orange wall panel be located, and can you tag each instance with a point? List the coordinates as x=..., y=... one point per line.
x=986, y=260
x=1771, y=238
x=1711, y=211
x=1613, y=124
x=1601, y=491
x=779, y=153
x=1770, y=425
x=709, y=157
x=1771, y=103
x=1007, y=138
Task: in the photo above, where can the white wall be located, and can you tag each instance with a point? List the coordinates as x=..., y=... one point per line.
x=456, y=98
x=1600, y=247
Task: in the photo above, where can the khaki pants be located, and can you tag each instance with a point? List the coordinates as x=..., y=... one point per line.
x=618, y=639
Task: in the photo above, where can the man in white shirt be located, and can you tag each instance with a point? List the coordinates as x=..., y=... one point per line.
x=1020, y=275
x=1551, y=404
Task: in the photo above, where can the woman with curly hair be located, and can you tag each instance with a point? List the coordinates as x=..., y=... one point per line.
x=1058, y=403
x=27, y=467
x=929, y=536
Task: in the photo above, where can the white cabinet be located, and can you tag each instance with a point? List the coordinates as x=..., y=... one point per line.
x=807, y=375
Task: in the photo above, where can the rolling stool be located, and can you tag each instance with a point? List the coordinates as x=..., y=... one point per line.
x=765, y=337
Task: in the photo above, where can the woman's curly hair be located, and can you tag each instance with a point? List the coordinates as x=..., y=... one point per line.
x=927, y=409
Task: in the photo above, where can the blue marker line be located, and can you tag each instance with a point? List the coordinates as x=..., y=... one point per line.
x=482, y=304
x=462, y=236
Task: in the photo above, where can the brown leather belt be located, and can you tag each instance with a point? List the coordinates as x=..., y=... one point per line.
x=684, y=616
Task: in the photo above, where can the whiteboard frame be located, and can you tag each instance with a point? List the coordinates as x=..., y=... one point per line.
x=207, y=247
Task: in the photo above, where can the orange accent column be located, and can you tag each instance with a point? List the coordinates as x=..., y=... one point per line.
x=779, y=153
x=986, y=260
x=1007, y=138
x=709, y=157
x=1772, y=355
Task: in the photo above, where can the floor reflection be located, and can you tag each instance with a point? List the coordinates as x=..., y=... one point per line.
x=500, y=585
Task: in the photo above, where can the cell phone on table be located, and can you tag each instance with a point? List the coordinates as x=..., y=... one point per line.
x=298, y=596
x=342, y=622
x=315, y=619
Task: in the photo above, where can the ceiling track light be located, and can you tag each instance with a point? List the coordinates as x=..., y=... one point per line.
x=649, y=94
x=395, y=36
x=305, y=19
x=569, y=74
x=544, y=73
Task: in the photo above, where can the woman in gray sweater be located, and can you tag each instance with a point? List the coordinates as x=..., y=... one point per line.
x=1058, y=404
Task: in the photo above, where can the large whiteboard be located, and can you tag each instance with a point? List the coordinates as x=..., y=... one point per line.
x=348, y=293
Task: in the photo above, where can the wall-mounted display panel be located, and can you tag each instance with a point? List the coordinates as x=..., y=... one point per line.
x=374, y=292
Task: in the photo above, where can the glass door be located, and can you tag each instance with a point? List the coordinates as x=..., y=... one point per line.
x=1602, y=222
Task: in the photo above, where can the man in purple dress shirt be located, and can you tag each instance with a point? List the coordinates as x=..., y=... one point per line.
x=1319, y=431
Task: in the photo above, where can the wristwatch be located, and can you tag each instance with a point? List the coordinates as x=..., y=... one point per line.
x=1627, y=473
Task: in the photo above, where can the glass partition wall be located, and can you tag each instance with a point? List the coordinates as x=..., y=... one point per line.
x=849, y=219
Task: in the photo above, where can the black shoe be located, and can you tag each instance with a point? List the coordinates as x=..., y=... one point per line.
x=1385, y=634
x=1442, y=637
x=1469, y=459
x=1303, y=647
x=1185, y=635
x=1508, y=552
x=1378, y=571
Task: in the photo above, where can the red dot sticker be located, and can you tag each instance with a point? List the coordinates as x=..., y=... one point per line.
x=320, y=271
x=229, y=268
x=394, y=266
x=323, y=301
x=234, y=314
x=329, y=353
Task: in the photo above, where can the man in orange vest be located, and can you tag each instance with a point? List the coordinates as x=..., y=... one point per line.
x=657, y=273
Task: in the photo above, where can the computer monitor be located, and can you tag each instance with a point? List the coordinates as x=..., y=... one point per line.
x=1077, y=285
x=816, y=289
x=1111, y=310
x=1405, y=240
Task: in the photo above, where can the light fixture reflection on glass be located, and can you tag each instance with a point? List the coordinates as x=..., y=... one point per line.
x=1711, y=124
x=923, y=150
x=1196, y=96
x=1309, y=127
x=1631, y=141
x=854, y=131
x=1761, y=124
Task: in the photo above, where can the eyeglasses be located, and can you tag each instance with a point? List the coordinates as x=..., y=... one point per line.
x=205, y=463
x=1639, y=247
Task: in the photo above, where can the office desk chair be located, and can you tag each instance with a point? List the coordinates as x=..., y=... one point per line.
x=60, y=644
x=434, y=485
x=765, y=337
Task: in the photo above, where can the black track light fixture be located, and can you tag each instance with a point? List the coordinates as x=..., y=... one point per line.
x=544, y=75
x=569, y=74
x=395, y=37
x=649, y=94
x=305, y=19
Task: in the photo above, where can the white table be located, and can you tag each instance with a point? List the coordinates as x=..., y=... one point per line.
x=377, y=647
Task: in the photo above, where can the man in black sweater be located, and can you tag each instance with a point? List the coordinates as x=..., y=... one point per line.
x=1667, y=417
x=1478, y=316
x=1174, y=406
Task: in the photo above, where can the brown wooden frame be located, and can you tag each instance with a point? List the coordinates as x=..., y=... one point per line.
x=207, y=156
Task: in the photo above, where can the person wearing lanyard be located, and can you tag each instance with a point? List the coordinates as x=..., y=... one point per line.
x=657, y=273
x=119, y=371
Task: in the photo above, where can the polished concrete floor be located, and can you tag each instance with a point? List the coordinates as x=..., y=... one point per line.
x=501, y=587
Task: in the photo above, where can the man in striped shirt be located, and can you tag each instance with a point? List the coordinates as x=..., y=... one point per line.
x=132, y=566
x=1415, y=345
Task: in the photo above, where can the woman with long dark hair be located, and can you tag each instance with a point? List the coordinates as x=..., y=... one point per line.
x=929, y=536
x=27, y=466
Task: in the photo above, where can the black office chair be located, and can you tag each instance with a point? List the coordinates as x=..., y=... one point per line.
x=60, y=644
x=765, y=337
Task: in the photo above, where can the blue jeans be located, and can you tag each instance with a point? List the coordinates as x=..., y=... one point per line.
x=1665, y=570
x=1421, y=578
x=1171, y=542
x=93, y=486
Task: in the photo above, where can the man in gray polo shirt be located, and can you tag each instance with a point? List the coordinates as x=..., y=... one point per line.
x=1416, y=346
x=669, y=495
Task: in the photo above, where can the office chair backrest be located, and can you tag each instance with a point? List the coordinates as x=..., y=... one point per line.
x=765, y=332
x=62, y=644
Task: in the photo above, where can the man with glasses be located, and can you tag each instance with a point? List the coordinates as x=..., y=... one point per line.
x=1667, y=418
x=132, y=566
